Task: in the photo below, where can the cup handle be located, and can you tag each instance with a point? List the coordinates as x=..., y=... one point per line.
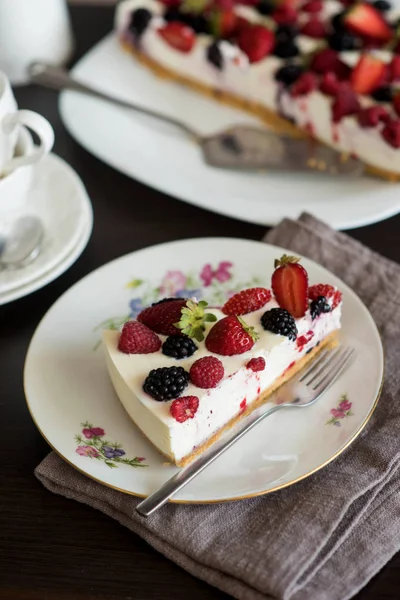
x=36, y=123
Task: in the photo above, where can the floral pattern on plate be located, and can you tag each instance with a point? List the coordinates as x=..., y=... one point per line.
x=213, y=283
x=342, y=411
x=91, y=443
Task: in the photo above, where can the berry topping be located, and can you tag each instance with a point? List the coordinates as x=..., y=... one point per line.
x=140, y=20
x=394, y=69
x=246, y=301
x=391, y=133
x=265, y=7
x=367, y=74
x=256, y=364
x=314, y=28
x=280, y=321
x=346, y=103
x=193, y=319
x=382, y=5
x=318, y=306
x=365, y=20
x=312, y=6
x=206, y=372
x=343, y=40
x=179, y=346
x=136, y=338
x=256, y=41
x=178, y=35
x=214, y=55
x=327, y=60
x=184, y=408
x=304, y=339
x=326, y=290
x=166, y=383
x=286, y=32
x=222, y=23
x=290, y=285
x=162, y=316
x=329, y=84
x=396, y=103
x=286, y=49
x=231, y=335
x=383, y=94
x=285, y=14
x=289, y=74
x=197, y=22
x=370, y=117
x=304, y=85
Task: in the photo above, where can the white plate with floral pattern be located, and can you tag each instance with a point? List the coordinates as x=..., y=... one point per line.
x=74, y=406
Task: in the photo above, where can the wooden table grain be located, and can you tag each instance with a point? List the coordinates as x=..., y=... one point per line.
x=52, y=548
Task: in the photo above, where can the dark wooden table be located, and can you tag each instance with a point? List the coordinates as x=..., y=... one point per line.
x=50, y=547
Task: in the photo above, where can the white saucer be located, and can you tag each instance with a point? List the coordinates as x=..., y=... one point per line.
x=59, y=198
x=162, y=158
x=68, y=389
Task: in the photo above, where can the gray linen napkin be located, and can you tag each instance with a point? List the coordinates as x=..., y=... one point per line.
x=323, y=538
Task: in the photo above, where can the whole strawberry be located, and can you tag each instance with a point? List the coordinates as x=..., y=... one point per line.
x=162, y=316
x=333, y=295
x=231, y=335
x=206, y=372
x=290, y=285
x=246, y=301
x=136, y=338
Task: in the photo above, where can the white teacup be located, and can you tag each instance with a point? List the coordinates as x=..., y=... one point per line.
x=14, y=188
x=11, y=120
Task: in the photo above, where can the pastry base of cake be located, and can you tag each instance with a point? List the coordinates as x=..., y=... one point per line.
x=330, y=340
x=279, y=124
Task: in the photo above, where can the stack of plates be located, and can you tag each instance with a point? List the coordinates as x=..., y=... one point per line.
x=59, y=198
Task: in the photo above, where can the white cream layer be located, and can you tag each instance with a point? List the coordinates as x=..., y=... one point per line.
x=219, y=405
x=256, y=82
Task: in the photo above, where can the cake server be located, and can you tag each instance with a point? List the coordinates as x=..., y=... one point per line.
x=240, y=147
x=301, y=391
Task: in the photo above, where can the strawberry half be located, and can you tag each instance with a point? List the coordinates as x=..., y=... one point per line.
x=367, y=21
x=368, y=74
x=256, y=41
x=178, y=35
x=162, y=316
x=290, y=285
x=223, y=23
x=231, y=335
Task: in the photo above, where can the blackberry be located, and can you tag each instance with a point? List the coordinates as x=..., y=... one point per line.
x=382, y=5
x=179, y=346
x=166, y=300
x=214, y=55
x=337, y=22
x=166, y=383
x=140, y=19
x=265, y=7
x=289, y=74
x=318, y=306
x=172, y=14
x=342, y=40
x=286, y=32
x=286, y=49
x=383, y=94
x=280, y=321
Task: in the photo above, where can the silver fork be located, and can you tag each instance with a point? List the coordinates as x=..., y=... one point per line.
x=301, y=391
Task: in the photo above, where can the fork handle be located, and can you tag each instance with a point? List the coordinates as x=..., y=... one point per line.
x=187, y=474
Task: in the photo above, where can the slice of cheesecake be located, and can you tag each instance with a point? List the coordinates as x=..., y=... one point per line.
x=327, y=69
x=185, y=374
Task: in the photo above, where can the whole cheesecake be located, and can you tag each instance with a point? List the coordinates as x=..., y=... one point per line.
x=325, y=68
x=185, y=372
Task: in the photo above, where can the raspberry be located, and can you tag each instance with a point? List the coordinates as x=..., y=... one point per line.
x=346, y=103
x=329, y=84
x=322, y=289
x=256, y=364
x=318, y=306
x=166, y=383
x=285, y=14
x=136, y=338
x=313, y=6
x=280, y=321
x=247, y=301
x=306, y=84
x=396, y=104
x=184, y=408
x=328, y=60
x=162, y=316
x=391, y=133
x=370, y=117
x=314, y=28
x=206, y=372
